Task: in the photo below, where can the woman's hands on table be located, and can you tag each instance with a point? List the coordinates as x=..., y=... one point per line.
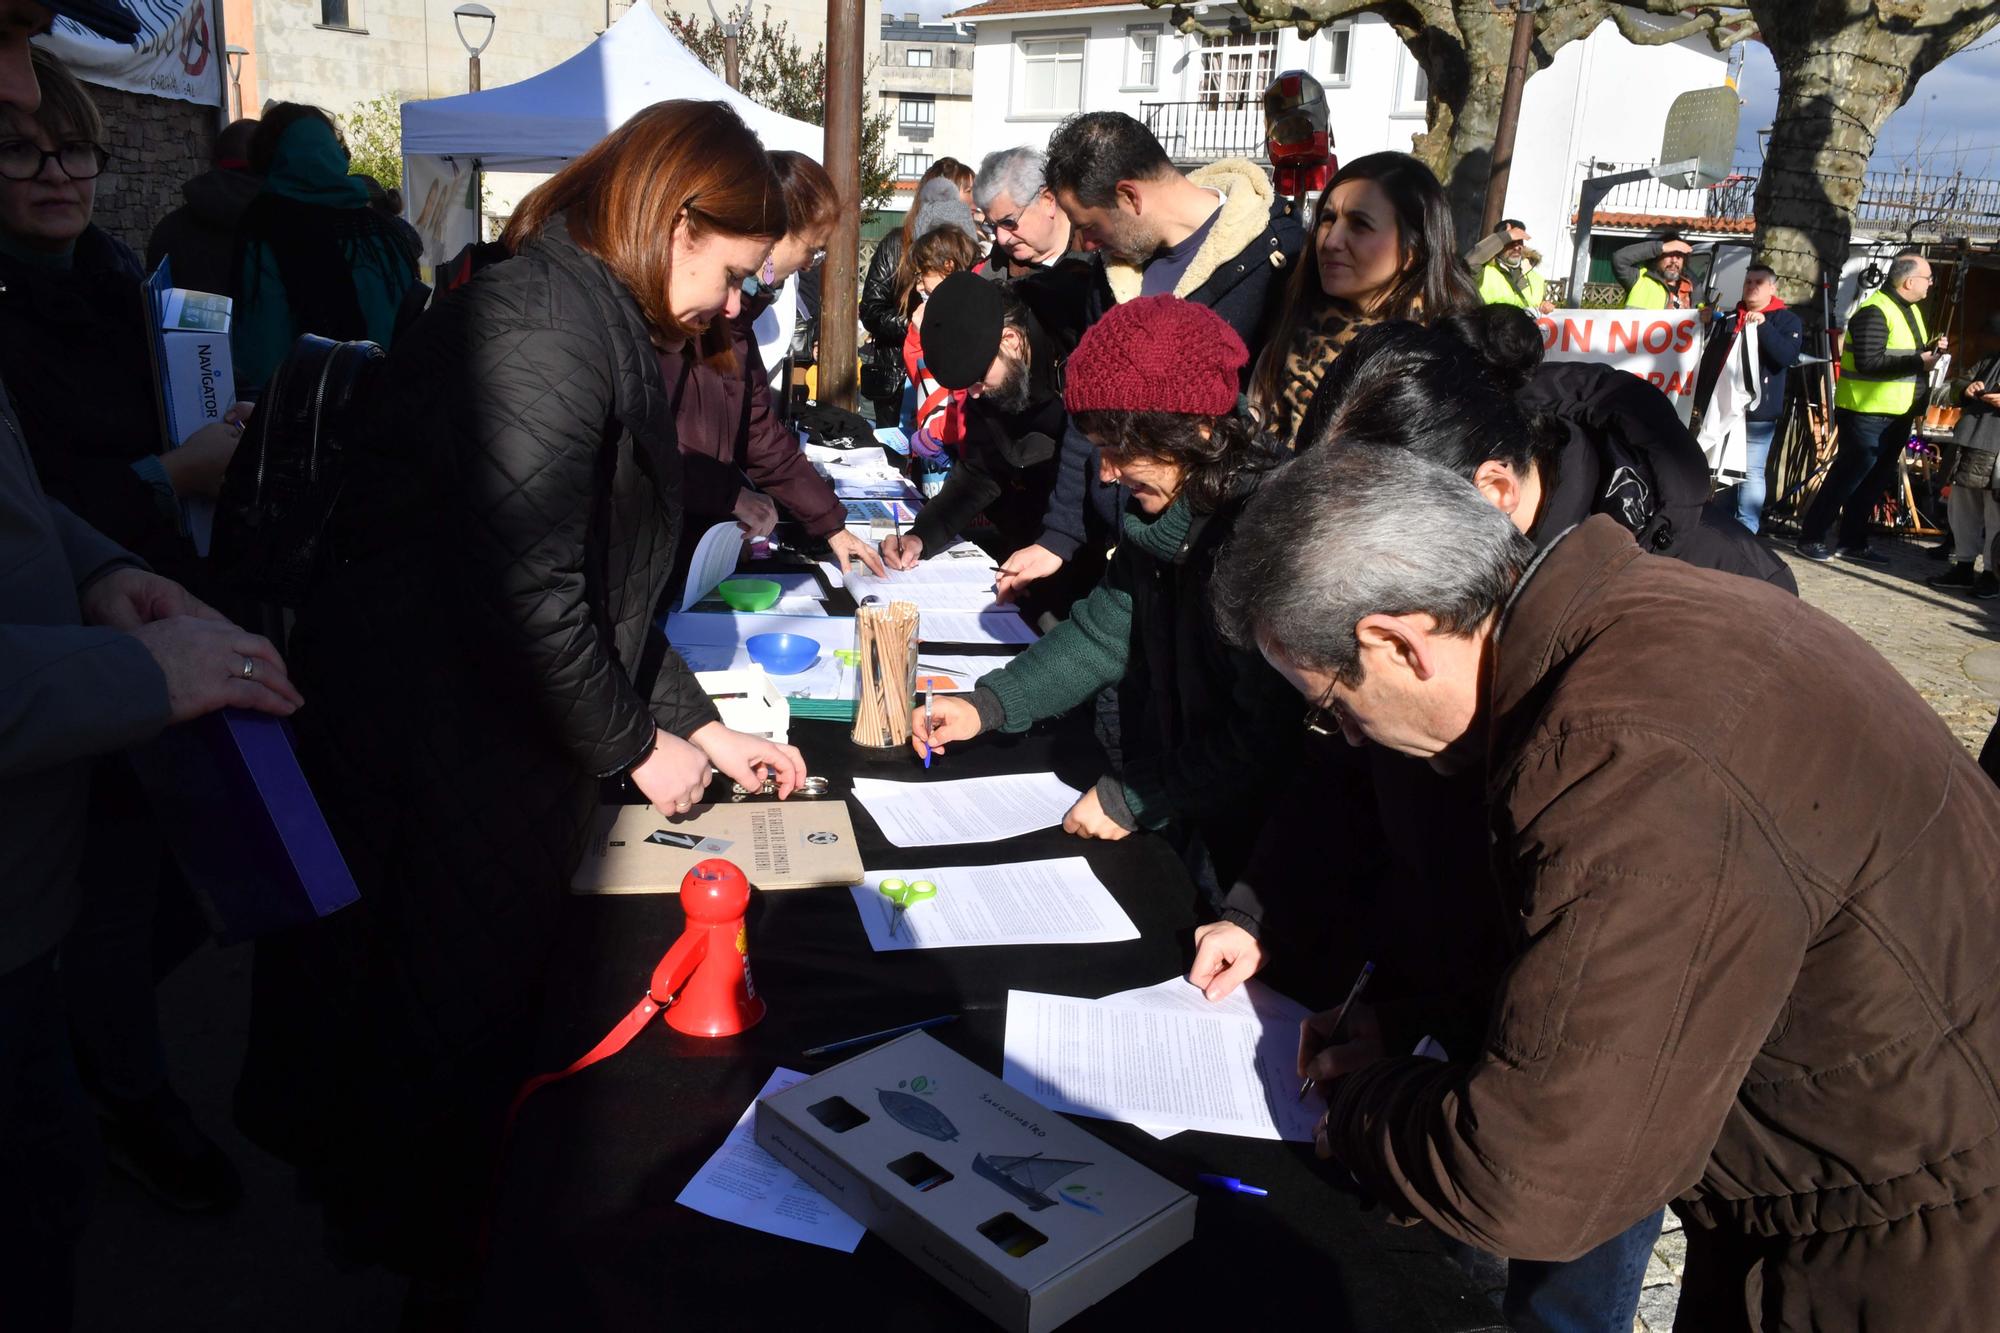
x=1086, y=819
x=952, y=718
x=902, y=551
x=674, y=776
x=745, y=758
x=1225, y=956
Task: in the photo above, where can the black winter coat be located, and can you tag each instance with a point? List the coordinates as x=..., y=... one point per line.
x=504, y=533
x=200, y=236
x=1779, y=339
x=1007, y=464
x=75, y=352
x=882, y=313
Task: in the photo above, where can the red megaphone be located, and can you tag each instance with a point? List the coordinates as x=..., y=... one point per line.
x=710, y=964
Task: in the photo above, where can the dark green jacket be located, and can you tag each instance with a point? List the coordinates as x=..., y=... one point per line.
x=1210, y=730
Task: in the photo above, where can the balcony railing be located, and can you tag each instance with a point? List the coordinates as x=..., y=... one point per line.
x=1209, y=129
x=1898, y=201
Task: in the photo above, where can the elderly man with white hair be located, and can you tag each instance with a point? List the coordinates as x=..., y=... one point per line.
x=1031, y=231
x=1754, y=875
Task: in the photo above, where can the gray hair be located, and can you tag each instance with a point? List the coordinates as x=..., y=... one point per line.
x=1902, y=270
x=1345, y=533
x=1014, y=172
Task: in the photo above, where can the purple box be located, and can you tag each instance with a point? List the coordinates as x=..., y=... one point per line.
x=244, y=825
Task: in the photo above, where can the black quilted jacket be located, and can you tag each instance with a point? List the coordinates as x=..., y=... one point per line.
x=506, y=530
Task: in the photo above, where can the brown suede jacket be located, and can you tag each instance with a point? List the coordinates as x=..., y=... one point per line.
x=1759, y=962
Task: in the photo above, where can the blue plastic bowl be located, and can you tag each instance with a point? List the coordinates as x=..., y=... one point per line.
x=782, y=654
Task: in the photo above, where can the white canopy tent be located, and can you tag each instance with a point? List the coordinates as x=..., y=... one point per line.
x=542, y=122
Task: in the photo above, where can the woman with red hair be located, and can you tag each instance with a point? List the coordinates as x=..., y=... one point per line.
x=505, y=530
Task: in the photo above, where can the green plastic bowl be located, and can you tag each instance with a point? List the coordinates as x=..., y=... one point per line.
x=749, y=594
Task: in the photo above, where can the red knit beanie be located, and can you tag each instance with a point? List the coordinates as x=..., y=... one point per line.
x=1156, y=354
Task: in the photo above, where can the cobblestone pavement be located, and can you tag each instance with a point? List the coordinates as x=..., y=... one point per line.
x=1946, y=645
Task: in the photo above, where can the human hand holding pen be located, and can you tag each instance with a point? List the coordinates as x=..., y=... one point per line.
x=952, y=718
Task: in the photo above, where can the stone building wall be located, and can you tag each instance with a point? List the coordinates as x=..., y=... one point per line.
x=156, y=144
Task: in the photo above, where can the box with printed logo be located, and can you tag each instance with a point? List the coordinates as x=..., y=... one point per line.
x=1022, y=1214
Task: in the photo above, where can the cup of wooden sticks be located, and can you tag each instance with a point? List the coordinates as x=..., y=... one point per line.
x=885, y=638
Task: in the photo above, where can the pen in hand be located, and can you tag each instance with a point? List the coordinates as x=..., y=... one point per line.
x=930, y=721
x=1340, y=1015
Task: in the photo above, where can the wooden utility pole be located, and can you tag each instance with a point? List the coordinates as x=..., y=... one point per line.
x=1510, y=117
x=840, y=290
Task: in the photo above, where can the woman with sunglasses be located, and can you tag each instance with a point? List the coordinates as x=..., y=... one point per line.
x=730, y=423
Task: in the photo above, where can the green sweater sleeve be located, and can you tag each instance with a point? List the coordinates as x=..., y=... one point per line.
x=1071, y=662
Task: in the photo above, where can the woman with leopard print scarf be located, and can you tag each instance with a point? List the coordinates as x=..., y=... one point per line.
x=1382, y=249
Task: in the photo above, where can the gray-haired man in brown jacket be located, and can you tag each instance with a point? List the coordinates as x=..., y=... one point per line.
x=1758, y=972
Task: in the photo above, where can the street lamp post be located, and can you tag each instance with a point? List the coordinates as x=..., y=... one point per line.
x=475, y=15
x=234, y=55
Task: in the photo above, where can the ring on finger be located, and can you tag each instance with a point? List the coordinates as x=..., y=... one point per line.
x=248, y=669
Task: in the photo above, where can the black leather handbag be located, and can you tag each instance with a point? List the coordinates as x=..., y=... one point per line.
x=282, y=483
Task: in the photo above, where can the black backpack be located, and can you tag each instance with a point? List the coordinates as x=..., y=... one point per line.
x=286, y=474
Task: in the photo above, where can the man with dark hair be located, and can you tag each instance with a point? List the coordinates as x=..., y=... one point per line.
x=200, y=236
x=1779, y=337
x=1506, y=269
x=1885, y=360
x=1654, y=273
x=97, y=653
x=1753, y=927
x=1218, y=236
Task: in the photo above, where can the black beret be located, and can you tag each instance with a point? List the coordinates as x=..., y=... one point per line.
x=961, y=329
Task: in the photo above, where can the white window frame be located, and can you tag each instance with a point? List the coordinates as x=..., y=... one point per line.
x=1410, y=97
x=1133, y=83
x=1017, y=107
x=910, y=54
x=922, y=166
x=905, y=102
x=1344, y=77
x=1248, y=59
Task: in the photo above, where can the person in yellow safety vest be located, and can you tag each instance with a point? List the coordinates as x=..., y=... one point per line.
x=1886, y=359
x=1506, y=269
x=1654, y=274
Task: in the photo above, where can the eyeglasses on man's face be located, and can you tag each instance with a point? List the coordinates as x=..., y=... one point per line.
x=23, y=159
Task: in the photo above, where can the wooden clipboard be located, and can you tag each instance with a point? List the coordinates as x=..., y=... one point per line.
x=798, y=844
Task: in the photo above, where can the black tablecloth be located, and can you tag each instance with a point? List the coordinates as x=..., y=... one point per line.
x=587, y=1234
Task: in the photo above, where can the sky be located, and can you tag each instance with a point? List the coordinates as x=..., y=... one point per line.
x=1947, y=124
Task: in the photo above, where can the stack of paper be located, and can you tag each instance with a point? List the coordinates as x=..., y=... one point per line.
x=1165, y=1059
x=1035, y=902
x=937, y=814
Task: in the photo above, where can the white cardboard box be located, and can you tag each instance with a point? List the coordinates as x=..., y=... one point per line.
x=1024, y=1215
x=197, y=373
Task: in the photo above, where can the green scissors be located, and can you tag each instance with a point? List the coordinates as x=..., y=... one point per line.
x=903, y=893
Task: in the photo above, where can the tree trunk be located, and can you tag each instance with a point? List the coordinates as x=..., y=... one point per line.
x=1834, y=93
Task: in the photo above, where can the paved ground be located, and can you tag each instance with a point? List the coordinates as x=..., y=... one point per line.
x=263, y=1266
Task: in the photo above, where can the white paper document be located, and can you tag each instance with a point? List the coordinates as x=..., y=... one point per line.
x=955, y=673
x=795, y=584
x=937, y=814
x=1032, y=902
x=714, y=560
x=746, y=1185
x=975, y=627
x=1165, y=1059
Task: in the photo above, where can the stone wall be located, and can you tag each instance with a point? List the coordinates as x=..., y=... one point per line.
x=156, y=144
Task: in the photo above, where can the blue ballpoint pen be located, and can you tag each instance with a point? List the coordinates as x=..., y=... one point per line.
x=1230, y=1183
x=929, y=722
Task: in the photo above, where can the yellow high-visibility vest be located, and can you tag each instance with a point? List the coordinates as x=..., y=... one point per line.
x=1889, y=398
x=1495, y=289
x=1648, y=293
